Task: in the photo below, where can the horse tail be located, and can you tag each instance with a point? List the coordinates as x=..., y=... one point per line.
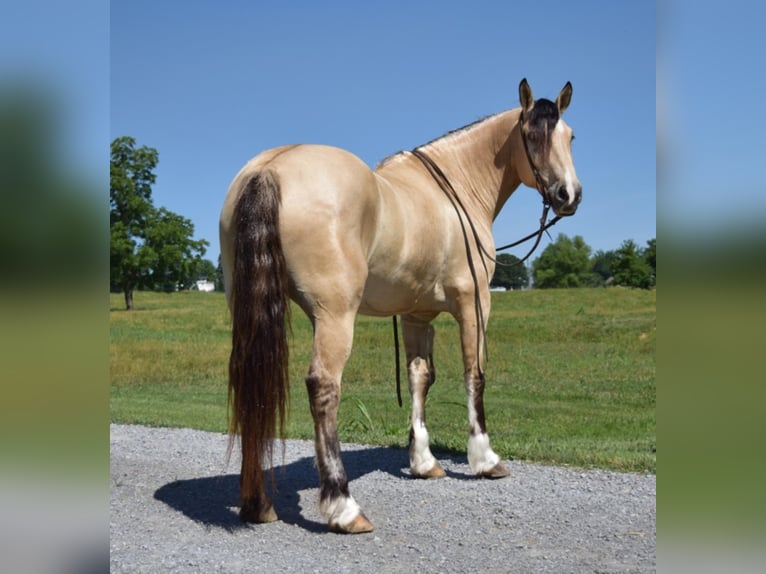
x=258, y=374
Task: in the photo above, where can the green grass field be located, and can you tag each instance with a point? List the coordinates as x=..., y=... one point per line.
x=570, y=378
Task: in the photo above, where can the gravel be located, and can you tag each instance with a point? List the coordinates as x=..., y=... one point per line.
x=173, y=508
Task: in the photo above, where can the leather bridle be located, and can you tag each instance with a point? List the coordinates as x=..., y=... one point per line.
x=544, y=224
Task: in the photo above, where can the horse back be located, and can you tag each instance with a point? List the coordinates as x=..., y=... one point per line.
x=328, y=215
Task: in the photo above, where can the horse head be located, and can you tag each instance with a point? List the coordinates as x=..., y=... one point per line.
x=548, y=144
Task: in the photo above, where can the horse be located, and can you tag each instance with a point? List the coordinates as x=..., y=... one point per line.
x=315, y=225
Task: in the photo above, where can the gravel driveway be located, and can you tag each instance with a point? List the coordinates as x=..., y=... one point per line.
x=173, y=509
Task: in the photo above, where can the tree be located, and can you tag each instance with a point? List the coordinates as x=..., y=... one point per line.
x=630, y=268
x=602, y=266
x=563, y=263
x=131, y=175
x=149, y=248
x=175, y=258
x=219, y=286
x=509, y=274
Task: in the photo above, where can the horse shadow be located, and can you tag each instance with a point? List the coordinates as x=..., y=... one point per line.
x=214, y=500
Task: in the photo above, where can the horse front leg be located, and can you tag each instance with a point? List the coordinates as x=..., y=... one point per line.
x=481, y=458
x=418, y=337
x=332, y=346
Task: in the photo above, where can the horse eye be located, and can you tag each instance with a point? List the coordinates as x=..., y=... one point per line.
x=573, y=137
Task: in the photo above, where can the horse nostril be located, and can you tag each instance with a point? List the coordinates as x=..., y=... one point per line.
x=562, y=196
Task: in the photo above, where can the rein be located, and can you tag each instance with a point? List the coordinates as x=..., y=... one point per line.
x=444, y=184
x=539, y=233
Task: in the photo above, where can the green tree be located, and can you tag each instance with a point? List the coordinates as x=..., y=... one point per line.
x=131, y=175
x=631, y=268
x=219, y=286
x=175, y=257
x=563, y=263
x=602, y=266
x=509, y=273
x=149, y=248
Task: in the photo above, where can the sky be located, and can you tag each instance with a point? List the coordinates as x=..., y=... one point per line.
x=212, y=84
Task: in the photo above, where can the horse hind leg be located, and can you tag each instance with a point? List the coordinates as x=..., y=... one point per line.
x=258, y=508
x=332, y=346
x=418, y=342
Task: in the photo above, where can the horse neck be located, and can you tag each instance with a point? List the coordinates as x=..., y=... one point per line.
x=481, y=162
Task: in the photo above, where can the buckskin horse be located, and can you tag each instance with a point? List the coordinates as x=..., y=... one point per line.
x=314, y=224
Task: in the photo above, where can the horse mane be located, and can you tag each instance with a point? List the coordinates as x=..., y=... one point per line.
x=450, y=133
x=544, y=114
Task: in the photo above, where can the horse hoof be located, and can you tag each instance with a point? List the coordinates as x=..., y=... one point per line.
x=497, y=471
x=436, y=471
x=251, y=513
x=359, y=525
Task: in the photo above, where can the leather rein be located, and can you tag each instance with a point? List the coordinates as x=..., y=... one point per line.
x=449, y=191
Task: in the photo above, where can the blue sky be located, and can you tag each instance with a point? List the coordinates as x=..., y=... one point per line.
x=211, y=84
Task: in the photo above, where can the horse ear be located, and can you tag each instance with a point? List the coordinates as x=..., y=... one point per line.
x=525, y=96
x=565, y=96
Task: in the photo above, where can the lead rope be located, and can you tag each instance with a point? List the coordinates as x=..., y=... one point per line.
x=396, y=360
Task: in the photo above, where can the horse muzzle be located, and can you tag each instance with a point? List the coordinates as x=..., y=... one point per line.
x=564, y=198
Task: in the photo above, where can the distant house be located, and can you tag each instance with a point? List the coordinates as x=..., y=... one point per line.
x=205, y=285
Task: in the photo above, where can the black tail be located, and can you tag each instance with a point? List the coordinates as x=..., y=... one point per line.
x=258, y=374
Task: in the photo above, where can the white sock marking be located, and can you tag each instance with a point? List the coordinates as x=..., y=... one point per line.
x=421, y=459
x=481, y=457
x=340, y=511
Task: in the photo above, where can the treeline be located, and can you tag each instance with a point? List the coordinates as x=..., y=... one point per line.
x=569, y=262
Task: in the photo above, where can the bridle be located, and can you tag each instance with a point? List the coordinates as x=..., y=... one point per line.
x=544, y=225
x=464, y=218
x=540, y=184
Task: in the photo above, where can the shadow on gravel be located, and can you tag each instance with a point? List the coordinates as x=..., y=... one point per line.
x=214, y=500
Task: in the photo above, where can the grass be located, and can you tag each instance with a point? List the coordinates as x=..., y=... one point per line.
x=570, y=378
